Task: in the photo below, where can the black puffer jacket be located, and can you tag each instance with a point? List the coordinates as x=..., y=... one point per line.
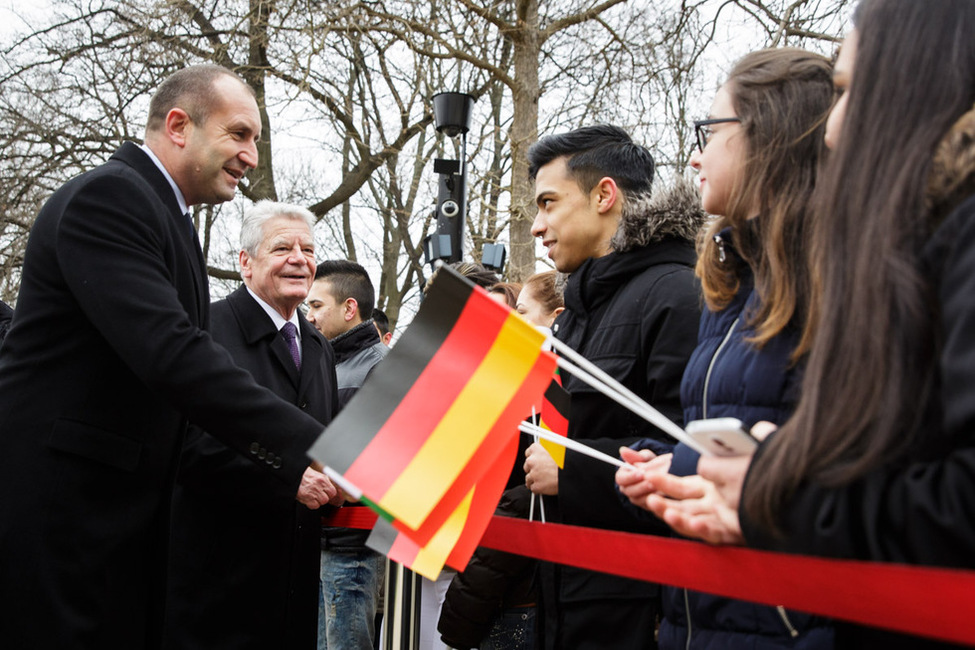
x=493, y=581
x=634, y=313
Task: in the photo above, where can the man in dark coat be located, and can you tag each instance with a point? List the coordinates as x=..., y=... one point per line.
x=244, y=554
x=107, y=359
x=631, y=307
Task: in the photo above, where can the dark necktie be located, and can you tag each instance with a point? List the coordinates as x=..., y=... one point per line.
x=290, y=332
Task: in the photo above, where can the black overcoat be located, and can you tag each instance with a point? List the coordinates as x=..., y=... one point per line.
x=106, y=360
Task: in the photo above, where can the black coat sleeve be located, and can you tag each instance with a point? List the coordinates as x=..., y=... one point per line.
x=114, y=251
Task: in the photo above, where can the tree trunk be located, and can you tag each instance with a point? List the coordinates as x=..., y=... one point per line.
x=524, y=132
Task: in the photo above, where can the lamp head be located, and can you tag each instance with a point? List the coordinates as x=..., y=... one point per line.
x=452, y=113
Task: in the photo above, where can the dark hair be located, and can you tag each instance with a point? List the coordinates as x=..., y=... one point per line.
x=473, y=271
x=595, y=152
x=381, y=320
x=509, y=290
x=874, y=353
x=782, y=97
x=347, y=279
x=190, y=89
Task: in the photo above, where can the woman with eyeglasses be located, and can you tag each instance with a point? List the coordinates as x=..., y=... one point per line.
x=757, y=161
x=878, y=462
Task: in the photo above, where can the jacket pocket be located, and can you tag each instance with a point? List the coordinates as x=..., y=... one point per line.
x=95, y=444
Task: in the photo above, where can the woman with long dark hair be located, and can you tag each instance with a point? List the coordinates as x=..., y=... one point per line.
x=879, y=460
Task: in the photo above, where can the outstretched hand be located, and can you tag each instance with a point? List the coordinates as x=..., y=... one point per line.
x=631, y=482
x=704, y=506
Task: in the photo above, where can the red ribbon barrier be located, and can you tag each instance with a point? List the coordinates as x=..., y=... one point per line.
x=917, y=600
x=351, y=517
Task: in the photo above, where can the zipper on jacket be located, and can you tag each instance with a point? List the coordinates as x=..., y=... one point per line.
x=714, y=357
x=687, y=615
x=793, y=632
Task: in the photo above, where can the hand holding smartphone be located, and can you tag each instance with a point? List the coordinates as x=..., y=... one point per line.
x=722, y=436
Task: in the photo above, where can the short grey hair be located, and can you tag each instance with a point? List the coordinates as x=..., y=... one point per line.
x=252, y=229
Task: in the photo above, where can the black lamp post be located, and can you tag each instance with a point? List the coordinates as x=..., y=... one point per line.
x=452, y=117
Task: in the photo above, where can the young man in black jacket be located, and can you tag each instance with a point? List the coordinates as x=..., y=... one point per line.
x=632, y=307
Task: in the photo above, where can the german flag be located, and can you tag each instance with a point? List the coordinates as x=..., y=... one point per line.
x=455, y=386
x=453, y=543
x=554, y=416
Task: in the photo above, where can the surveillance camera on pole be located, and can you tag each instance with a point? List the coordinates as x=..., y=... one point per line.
x=452, y=117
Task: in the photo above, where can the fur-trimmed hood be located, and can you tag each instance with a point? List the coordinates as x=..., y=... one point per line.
x=674, y=211
x=952, y=178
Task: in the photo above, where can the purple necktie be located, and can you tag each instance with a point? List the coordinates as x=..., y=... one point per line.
x=289, y=331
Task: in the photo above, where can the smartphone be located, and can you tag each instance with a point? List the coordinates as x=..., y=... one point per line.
x=722, y=436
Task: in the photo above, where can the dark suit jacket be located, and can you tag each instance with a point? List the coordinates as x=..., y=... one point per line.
x=106, y=360
x=244, y=555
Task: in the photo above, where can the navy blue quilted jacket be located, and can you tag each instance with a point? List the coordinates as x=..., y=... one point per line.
x=728, y=377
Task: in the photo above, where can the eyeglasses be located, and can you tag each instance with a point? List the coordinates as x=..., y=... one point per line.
x=703, y=130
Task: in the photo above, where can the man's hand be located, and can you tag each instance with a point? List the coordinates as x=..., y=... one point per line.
x=316, y=490
x=541, y=472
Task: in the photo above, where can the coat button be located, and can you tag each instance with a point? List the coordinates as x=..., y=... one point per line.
x=270, y=458
x=262, y=453
x=277, y=463
x=255, y=448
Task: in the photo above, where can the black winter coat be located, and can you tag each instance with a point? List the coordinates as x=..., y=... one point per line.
x=920, y=510
x=634, y=315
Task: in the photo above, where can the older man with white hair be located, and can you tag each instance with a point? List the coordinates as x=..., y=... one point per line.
x=245, y=556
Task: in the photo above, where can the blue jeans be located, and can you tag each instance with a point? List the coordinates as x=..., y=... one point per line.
x=350, y=588
x=513, y=629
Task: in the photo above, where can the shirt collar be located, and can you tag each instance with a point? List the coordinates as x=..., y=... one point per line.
x=278, y=319
x=183, y=208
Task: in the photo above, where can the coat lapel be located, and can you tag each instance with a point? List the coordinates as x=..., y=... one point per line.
x=132, y=155
x=256, y=326
x=312, y=351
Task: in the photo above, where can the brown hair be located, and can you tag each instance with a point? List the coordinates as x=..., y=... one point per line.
x=544, y=290
x=874, y=355
x=782, y=97
x=509, y=290
x=190, y=89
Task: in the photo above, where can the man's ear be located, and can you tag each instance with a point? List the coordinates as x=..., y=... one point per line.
x=606, y=193
x=245, y=264
x=177, y=123
x=351, y=308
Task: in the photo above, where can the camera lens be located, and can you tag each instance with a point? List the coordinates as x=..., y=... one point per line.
x=449, y=208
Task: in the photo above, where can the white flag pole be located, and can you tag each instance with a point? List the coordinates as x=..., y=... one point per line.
x=585, y=370
x=545, y=434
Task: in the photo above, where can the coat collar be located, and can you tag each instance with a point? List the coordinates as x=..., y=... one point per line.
x=256, y=326
x=133, y=156
x=358, y=338
x=952, y=177
x=598, y=279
